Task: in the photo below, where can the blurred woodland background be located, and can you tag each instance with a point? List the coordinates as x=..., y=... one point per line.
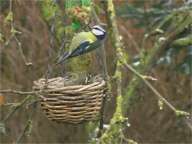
x=152, y=36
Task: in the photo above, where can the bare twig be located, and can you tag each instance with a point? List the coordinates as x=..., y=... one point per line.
x=151, y=87
x=129, y=141
x=160, y=44
x=16, y=107
x=18, y=92
x=21, y=52
x=27, y=127
x=132, y=40
x=13, y=35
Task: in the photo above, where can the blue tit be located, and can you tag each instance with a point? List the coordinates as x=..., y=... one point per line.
x=84, y=42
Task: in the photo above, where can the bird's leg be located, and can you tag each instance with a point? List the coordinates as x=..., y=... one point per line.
x=63, y=74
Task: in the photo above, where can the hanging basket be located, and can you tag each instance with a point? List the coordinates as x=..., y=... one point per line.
x=64, y=101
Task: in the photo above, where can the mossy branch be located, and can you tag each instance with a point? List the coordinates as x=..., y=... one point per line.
x=160, y=44
x=183, y=42
x=111, y=135
x=123, y=102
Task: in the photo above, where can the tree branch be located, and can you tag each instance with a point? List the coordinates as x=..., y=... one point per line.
x=154, y=90
x=19, y=92
x=27, y=128
x=16, y=107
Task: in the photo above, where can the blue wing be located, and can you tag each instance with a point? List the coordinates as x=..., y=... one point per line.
x=81, y=49
x=85, y=47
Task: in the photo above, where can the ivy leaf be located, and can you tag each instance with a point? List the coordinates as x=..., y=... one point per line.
x=76, y=25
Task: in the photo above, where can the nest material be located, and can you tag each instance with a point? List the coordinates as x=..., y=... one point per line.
x=65, y=101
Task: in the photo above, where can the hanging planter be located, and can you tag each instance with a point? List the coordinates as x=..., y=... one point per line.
x=72, y=103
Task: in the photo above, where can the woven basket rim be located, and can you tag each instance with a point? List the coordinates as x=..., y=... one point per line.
x=71, y=103
x=56, y=84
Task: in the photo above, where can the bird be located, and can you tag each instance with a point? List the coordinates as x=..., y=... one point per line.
x=84, y=42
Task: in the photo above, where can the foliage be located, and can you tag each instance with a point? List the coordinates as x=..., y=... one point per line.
x=49, y=9
x=156, y=14
x=79, y=12
x=68, y=21
x=74, y=3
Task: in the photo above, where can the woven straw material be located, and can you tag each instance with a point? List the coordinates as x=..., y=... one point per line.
x=71, y=103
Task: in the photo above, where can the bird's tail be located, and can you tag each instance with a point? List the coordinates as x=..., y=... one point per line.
x=61, y=59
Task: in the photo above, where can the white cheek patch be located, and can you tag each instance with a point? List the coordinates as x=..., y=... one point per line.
x=97, y=32
x=98, y=27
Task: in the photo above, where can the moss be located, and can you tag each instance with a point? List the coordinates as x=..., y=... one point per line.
x=183, y=42
x=118, y=115
x=81, y=63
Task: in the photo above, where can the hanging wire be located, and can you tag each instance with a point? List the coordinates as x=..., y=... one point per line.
x=102, y=56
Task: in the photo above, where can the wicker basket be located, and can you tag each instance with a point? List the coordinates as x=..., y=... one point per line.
x=71, y=103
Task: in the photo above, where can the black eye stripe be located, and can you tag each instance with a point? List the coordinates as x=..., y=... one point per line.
x=100, y=29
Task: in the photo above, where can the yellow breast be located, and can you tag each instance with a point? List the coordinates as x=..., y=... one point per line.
x=81, y=37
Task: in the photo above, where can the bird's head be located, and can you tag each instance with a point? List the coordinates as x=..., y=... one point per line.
x=99, y=32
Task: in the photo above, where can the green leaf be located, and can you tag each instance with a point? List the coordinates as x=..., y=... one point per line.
x=86, y=2
x=49, y=9
x=76, y=25
x=72, y=3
